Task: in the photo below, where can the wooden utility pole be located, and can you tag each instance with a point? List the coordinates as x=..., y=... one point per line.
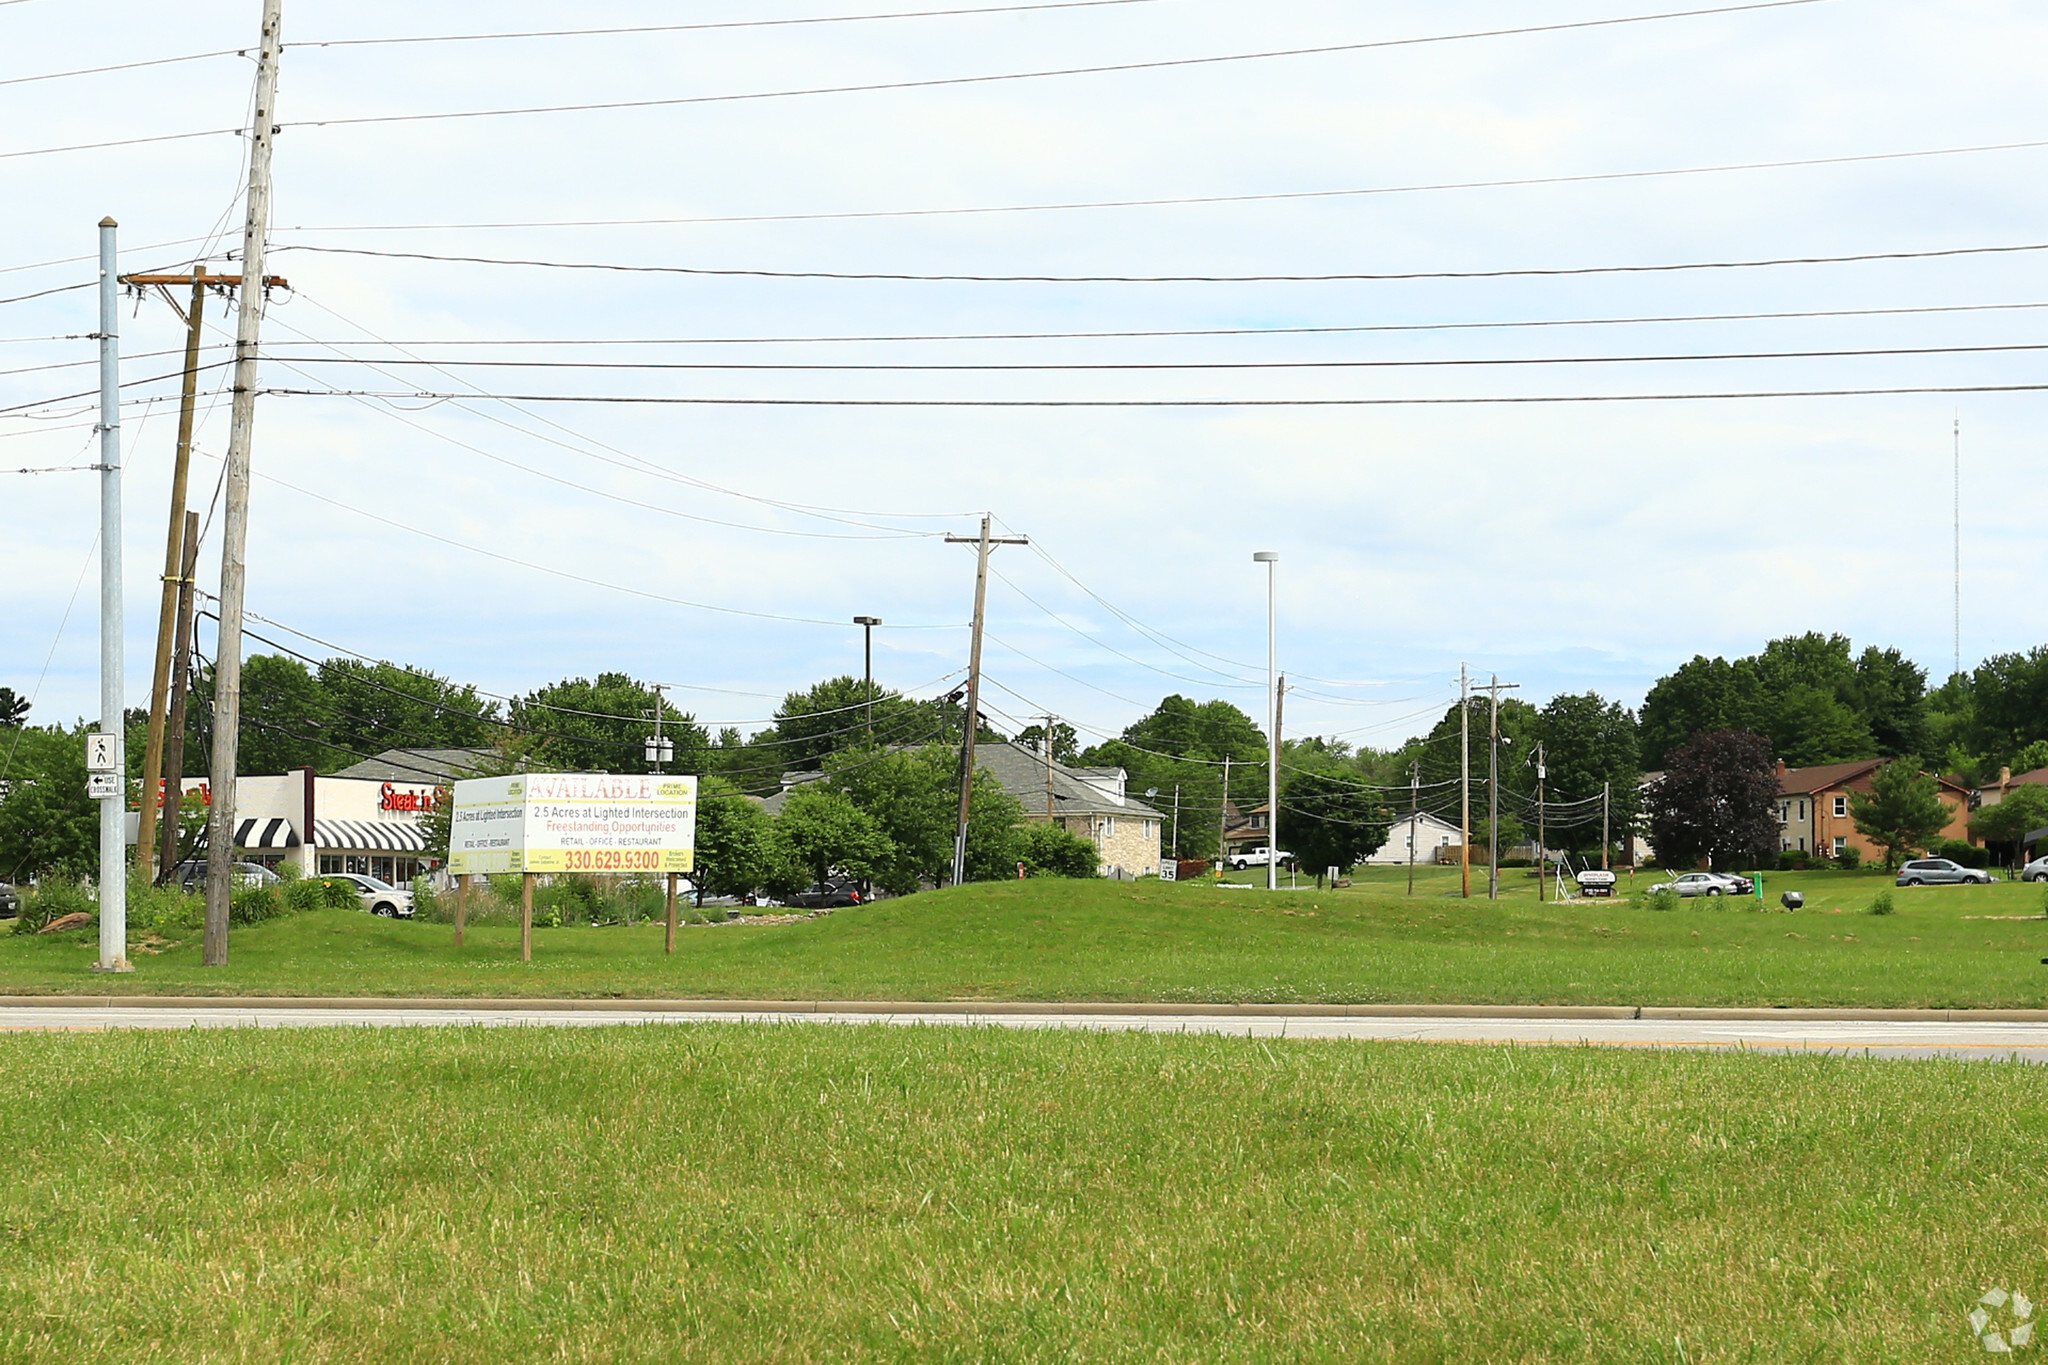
x=985, y=543
x=669, y=940
x=227, y=669
x=174, y=574
x=1414, y=817
x=1465, y=781
x=1223, y=819
x=1046, y=750
x=1494, y=689
x=173, y=749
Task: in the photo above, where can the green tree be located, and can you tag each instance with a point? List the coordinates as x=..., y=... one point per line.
x=1891, y=696
x=47, y=822
x=1808, y=725
x=817, y=830
x=1331, y=820
x=914, y=795
x=1066, y=745
x=2009, y=704
x=372, y=707
x=829, y=717
x=1703, y=695
x=285, y=715
x=583, y=726
x=1049, y=851
x=1590, y=743
x=2024, y=810
x=732, y=842
x=1903, y=810
x=13, y=709
x=1718, y=800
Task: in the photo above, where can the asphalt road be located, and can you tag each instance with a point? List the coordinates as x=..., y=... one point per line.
x=1961, y=1039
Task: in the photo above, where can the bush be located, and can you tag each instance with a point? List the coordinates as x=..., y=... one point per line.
x=318, y=893
x=1794, y=860
x=255, y=904
x=1048, y=851
x=1663, y=898
x=164, y=909
x=1850, y=858
x=1883, y=904
x=50, y=900
x=1962, y=851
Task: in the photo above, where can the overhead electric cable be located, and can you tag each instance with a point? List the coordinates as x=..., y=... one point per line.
x=1518, y=272
x=120, y=142
x=1517, y=182
x=124, y=66
x=1410, y=401
x=1157, y=65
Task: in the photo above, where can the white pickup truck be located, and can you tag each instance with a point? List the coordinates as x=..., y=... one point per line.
x=1257, y=857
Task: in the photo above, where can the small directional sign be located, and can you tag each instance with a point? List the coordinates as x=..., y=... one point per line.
x=99, y=753
x=102, y=786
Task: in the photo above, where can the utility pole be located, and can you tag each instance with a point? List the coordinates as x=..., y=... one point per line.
x=181, y=673
x=867, y=625
x=659, y=750
x=1414, y=816
x=1271, y=559
x=1541, y=839
x=1606, y=801
x=1223, y=818
x=1494, y=689
x=227, y=671
x=1273, y=788
x=984, y=542
x=1045, y=750
x=1465, y=780
x=108, y=780
x=1176, y=822
x=166, y=626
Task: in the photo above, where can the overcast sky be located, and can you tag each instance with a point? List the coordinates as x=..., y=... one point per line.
x=1565, y=546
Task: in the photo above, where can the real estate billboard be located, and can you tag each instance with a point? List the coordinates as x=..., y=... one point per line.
x=573, y=822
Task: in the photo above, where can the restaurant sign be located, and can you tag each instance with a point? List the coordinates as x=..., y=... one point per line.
x=573, y=822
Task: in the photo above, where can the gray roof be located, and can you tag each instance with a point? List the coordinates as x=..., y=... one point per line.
x=1021, y=772
x=420, y=765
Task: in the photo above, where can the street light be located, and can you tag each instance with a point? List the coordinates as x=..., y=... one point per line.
x=1270, y=558
x=867, y=625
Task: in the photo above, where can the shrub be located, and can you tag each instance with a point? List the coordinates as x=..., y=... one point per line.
x=1047, y=851
x=164, y=909
x=1663, y=898
x=318, y=893
x=1883, y=904
x=1850, y=858
x=1794, y=860
x=50, y=900
x=255, y=904
x=1962, y=851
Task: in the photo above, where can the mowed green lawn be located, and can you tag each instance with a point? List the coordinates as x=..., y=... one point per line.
x=765, y=1193
x=1947, y=947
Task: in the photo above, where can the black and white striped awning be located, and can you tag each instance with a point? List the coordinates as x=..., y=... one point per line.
x=261, y=832
x=368, y=836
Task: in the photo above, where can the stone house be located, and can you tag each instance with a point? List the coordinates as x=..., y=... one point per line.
x=1094, y=803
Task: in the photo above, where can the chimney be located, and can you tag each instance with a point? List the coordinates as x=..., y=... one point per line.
x=1781, y=769
x=2004, y=777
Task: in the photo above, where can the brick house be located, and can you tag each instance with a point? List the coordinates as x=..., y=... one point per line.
x=1814, y=808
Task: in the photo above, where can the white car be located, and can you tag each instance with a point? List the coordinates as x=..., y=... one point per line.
x=1257, y=857
x=1708, y=884
x=379, y=897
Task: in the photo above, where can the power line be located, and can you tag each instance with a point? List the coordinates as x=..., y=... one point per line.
x=1182, y=332
x=727, y=24
x=1157, y=65
x=1178, y=201
x=1409, y=401
x=979, y=367
x=1519, y=272
x=124, y=66
x=121, y=142
x=45, y=293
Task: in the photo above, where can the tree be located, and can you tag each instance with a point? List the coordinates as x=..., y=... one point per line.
x=2009, y=696
x=1590, y=743
x=732, y=842
x=1902, y=812
x=13, y=709
x=284, y=718
x=1330, y=820
x=2024, y=810
x=47, y=822
x=1891, y=696
x=914, y=795
x=1066, y=745
x=820, y=829
x=1701, y=696
x=1808, y=725
x=1717, y=800
x=604, y=726
x=829, y=717
x=377, y=706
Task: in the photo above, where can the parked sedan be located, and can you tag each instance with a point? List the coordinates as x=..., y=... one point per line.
x=1940, y=872
x=1708, y=884
x=836, y=894
x=192, y=876
x=2036, y=871
x=10, y=901
x=379, y=897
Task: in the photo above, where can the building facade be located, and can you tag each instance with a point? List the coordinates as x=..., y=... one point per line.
x=1816, y=808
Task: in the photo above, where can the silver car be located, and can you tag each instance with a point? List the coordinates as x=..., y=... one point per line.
x=2036, y=871
x=1708, y=884
x=1940, y=872
x=379, y=897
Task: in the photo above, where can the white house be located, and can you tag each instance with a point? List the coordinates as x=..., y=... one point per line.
x=1428, y=834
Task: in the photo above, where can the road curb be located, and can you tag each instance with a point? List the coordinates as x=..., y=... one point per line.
x=1000, y=1008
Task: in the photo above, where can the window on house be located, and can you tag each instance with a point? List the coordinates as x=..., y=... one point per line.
x=1802, y=810
x=1840, y=844
x=1109, y=824
x=1802, y=843
x=1841, y=807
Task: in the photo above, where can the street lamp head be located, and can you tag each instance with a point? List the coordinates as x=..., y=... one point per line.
x=1265, y=556
x=867, y=620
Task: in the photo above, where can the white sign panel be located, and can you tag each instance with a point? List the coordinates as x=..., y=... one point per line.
x=99, y=753
x=1169, y=869
x=102, y=786
x=573, y=822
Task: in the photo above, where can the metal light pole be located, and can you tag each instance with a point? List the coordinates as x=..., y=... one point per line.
x=867, y=625
x=110, y=781
x=1270, y=558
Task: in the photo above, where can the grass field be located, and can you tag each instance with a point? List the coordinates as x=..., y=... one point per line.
x=1947, y=947
x=758, y=1193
